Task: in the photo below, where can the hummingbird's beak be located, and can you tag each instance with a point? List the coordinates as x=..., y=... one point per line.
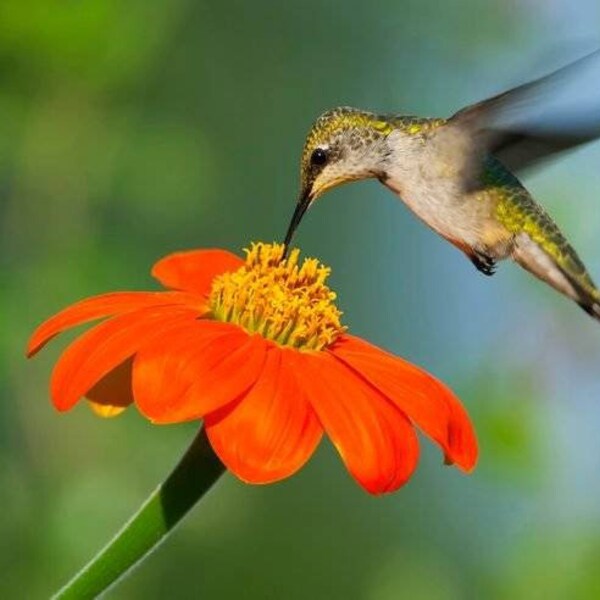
x=301, y=207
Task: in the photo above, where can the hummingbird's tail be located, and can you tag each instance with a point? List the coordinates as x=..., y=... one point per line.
x=589, y=300
x=563, y=270
x=593, y=309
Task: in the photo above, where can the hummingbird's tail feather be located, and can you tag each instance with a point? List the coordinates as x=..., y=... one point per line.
x=593, y=310
x=564, y=272
x=590, y=302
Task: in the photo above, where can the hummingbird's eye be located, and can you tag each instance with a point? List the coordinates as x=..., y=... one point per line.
x=318, y=157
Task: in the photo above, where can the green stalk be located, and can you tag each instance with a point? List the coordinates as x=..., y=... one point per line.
x=196, y=472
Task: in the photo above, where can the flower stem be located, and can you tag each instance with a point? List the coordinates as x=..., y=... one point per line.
x=196, y=472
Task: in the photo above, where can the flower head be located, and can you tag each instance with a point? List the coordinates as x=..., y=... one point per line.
x=284, y=302
x=256, y=348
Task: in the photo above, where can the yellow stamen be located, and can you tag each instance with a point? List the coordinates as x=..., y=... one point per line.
x=280, y=299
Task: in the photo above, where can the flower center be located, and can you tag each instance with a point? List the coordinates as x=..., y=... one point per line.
x=278, y=298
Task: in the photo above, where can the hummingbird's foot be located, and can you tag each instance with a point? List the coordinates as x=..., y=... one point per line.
x=484, y=263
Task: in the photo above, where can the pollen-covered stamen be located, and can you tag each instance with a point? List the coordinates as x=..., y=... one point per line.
x=278, y=298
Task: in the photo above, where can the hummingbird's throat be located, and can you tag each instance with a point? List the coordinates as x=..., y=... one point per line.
x=281, y=300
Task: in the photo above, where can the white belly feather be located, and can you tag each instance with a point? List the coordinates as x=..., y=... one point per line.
x=434, y=192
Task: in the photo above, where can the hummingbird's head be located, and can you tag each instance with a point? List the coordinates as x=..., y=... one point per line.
x=344, y=144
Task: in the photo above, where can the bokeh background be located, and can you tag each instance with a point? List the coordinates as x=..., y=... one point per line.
x=130, y=129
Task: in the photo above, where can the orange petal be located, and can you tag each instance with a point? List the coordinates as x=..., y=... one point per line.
x=112, y=394
x=272, y=431
x=93, y=355
x=194, y=270
x=202, y=368
x=426, y=401
x=164, y=372
x=105, y=305
x=374, y=438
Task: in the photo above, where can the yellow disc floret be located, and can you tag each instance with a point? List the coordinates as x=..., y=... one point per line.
x=279, y=299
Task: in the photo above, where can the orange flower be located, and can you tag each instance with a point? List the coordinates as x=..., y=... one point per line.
x=257, y=350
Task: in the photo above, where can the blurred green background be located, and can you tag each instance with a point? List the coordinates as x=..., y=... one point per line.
x=130, y=129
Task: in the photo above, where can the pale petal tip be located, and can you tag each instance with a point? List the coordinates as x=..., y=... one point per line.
x=106, y=411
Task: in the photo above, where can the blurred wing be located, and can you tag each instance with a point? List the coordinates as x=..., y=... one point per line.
x=528, y=123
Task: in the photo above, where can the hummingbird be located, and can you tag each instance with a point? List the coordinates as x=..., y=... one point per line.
x=459, y=175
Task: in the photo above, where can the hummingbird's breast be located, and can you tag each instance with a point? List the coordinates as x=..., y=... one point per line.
x=433, y=189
